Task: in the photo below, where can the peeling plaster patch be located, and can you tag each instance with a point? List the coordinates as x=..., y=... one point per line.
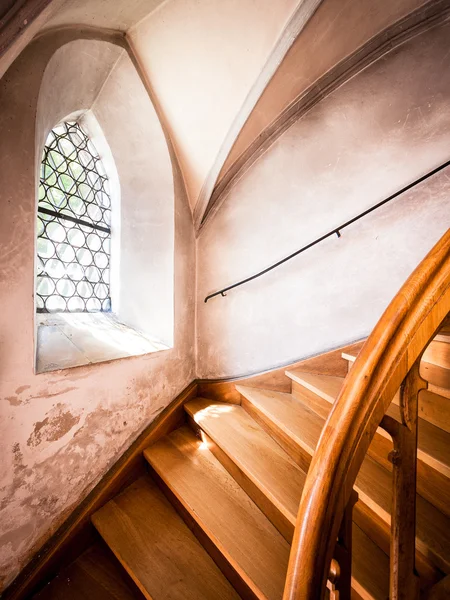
x=20, y=473
x=56, y=484
x=22, y=388
x=14, y=400
x=52, y=427
x=44, y=493
x=46, y=394
x=18, y=459
x=14, y=538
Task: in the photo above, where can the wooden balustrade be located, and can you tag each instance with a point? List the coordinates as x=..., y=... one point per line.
x=388, y=361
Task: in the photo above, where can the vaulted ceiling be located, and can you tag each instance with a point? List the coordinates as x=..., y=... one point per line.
x=221, y=72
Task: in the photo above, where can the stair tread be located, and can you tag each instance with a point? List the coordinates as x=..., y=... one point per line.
x=244, y=536
x=444, y=335
x=253, y=451
x=295, y=418
x=326, y=386
x=93, y=575
x=160, y=553
x=374, y=487
x=437, y=353
x=435, y=374
x=435, y=409
x=433, y=442
x=370, y=567
x=374, y=481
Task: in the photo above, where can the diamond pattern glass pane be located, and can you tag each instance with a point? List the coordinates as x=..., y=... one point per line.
x=74, y=213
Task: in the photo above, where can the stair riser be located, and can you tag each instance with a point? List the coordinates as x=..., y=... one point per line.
x=300, y=455
x=437, y=353
x=320, y=406
x=431, y=483
x=435, y=409
x=434, y=487
x=277, y=518
x=375, y=527
x=444, y=392
x=424, y=554
x=379, y=532
x=265, y=504
x=213, y=549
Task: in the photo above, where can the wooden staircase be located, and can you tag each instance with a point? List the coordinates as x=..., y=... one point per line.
x=215, y=516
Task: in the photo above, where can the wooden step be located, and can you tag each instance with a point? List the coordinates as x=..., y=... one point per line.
x=433, y=451
x=433, y=445
x=433, y=442
x=440, y=591
x=274, y=410
x=260, y=466
x=370, y=568
x=434, y=406
x=157, y=549
x=250, y=451
x=374, y=487
x=435, y=409
x=95, y=574
x=443, y=335
x=438, y=378
x=320, y=392
x=438, y=353
x=373, y=483
x=242, y=540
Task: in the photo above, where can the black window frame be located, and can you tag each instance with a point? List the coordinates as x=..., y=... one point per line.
x=74, y=225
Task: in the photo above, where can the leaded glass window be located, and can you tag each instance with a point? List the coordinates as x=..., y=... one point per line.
x=74, y=220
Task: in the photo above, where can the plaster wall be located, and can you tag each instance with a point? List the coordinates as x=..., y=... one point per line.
x=146, y=288
x=60, y=431
x=335, y=31
x=202, y=59
x=380, y=131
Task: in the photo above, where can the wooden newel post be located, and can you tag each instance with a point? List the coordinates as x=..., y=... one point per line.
x=404, y=582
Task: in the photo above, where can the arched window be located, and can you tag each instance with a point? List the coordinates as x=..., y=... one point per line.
x=74, y=220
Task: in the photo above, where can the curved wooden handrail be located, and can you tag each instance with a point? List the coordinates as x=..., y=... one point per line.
x=396, y=343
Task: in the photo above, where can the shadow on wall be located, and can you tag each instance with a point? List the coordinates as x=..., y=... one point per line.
x=383, y=129
x=61, y=431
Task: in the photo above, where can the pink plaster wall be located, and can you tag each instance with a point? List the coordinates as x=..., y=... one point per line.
x=381, y=130
x=61, y=431
x=146, y=282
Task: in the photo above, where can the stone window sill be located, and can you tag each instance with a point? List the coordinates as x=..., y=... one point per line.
x=67, y=340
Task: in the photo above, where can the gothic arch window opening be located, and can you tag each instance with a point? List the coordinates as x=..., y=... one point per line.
x=74, y=225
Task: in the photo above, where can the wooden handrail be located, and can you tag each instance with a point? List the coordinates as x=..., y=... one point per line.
x=394, y=347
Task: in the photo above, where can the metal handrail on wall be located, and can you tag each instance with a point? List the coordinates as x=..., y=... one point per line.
x=335, y=231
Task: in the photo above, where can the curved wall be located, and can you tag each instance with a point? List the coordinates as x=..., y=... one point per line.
x=334, y=32
x=60, y=431
x=380, y=131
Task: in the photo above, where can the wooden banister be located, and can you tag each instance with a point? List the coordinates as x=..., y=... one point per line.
x=389, y=354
